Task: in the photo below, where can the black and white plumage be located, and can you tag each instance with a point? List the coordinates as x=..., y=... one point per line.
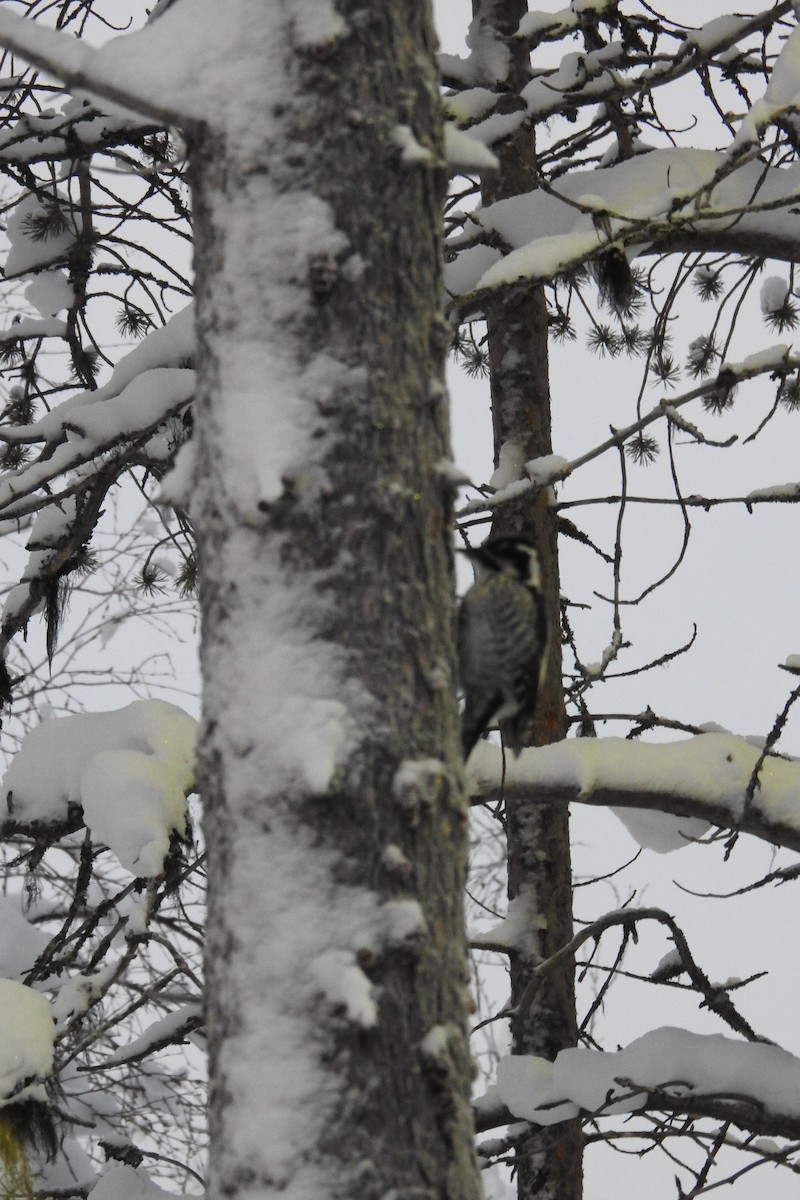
x=502, y=642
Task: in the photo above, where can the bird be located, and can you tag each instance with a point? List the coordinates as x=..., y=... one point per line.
x=502, y=641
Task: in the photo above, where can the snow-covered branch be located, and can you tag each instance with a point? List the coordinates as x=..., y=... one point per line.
x=676, y=200
x=703, y=778
x=81, y=66
x=752, y=1085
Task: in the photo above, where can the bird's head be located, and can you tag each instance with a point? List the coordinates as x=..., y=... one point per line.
x=515, y=556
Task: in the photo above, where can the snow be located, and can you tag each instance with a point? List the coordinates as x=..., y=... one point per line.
x=134, y=802
x=26, y=253
x=404, y=922
x=395, y=862
x=543, y=470
x=496, y=127
x=768, y=359
x=129, y=769
x=146, y=387
x=668, y=964
x=716, y=31
x=434, y=1044
x=452, y=66
x=167, y=68
x=30, y=327
x=265, y=457
x=416, y=783
x=71, y=1169
x=170, y=346
x=346, y=986
x=145, y=402
x=490, y=58
x=526, y=1085
x=784, y=78
x=27, y=1035
x=318, y=26
x=49, y=292
x=20, y=942
x=465, y=152
x=515, y=931
x=411, y=152
x=671, y=1061
x=322, y=933
x=48, y=533
x=470, y=105
x=176, y=486
x=782, y=93
x=786, y=492
x=511, y=491
x=660, y=831
x=286, y=689
x=510, y=461
x=534, y=24
x=76, y=994
x=774, y=291
x=128, y=1183
x=542, y=259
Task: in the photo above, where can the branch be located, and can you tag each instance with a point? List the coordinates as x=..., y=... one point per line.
x=609, y=85
x=786, y=493
x=776, y=361
x=716, y=999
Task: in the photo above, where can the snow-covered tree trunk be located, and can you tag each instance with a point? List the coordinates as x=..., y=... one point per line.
x=549, y=1163
x=335, y=819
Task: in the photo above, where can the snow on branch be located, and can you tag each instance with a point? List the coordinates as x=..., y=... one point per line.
x=171, y=1030
x=175, y=69
x=600, y=73
x=754, y=1085
x=26, y=1047
x=130, y=771
x=704, y=778
x=86, y=442
x=664, y=200
x=79, y=65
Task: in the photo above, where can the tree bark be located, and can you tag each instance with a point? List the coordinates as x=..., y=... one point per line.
x=549, y=1163
x=337, y=982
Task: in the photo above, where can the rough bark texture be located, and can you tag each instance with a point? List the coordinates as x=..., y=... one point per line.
x=366, y=534
x=549, y=1164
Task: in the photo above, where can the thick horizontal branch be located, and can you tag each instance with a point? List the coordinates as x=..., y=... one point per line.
x=704, y=778
x=743, y=1111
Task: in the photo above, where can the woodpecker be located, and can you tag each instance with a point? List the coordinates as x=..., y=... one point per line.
x=502, y=641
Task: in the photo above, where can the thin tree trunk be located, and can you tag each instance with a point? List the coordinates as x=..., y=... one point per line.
x=335, y=819
x=549, y=1163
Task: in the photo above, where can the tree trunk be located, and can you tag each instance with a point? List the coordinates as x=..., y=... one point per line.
x=549, y=1163
x=335, y=816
